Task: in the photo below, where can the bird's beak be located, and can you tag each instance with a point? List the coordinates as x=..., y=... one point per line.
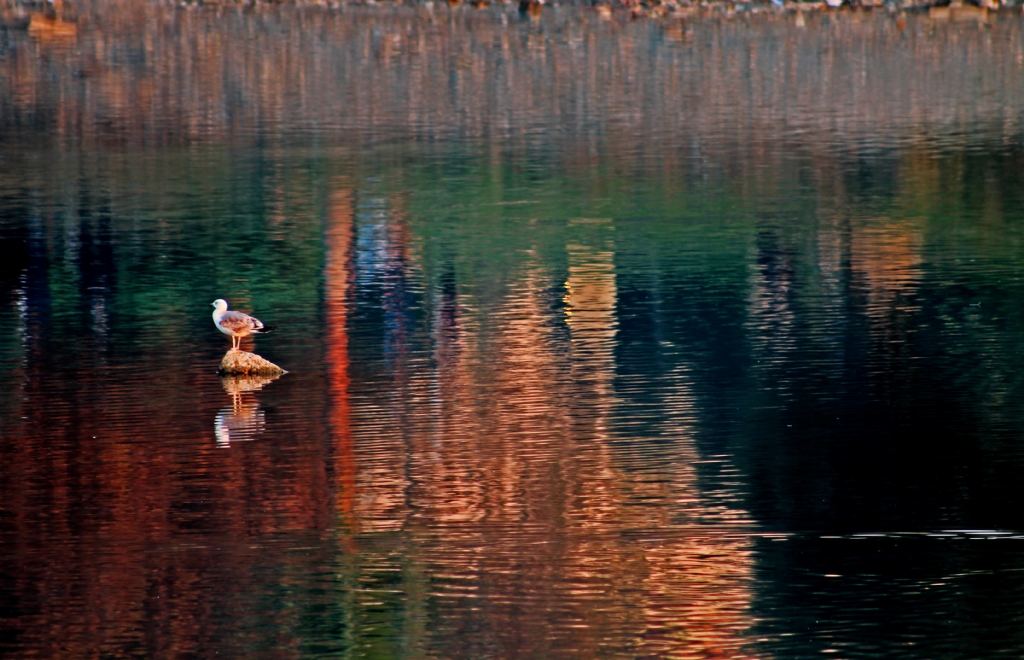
x=213, y=304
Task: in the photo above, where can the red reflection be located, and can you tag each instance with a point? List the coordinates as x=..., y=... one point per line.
x=337, y=280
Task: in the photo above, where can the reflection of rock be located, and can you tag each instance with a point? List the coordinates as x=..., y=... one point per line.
x=243, y=419
x=236, y=384
x=243, y=362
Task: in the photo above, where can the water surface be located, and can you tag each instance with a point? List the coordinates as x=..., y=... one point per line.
x=658, y=339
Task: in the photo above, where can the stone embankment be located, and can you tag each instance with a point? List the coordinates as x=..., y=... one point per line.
x=56, y=19
x=658, y=8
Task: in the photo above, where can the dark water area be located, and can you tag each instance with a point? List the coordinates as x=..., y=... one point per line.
x=688, y=338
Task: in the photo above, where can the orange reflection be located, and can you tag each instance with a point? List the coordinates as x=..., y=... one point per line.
x=591, y=296
x=886, y=256
x=51, y=29
x=337, y=277
x=498, y=465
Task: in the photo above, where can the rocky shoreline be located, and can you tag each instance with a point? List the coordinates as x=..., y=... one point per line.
x=17, y=13
x=651, y=8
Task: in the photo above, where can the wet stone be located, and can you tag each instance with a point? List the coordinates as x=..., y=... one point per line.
x=243, y=362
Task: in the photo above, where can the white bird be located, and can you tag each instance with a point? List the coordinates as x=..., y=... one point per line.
x=235, y=324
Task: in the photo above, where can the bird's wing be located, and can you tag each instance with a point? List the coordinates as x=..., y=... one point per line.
x=239, y=322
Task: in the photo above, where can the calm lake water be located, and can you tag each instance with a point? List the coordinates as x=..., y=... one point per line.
x=688, y=338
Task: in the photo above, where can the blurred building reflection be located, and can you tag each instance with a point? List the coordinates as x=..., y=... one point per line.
x=399, y=74
x=496, y=464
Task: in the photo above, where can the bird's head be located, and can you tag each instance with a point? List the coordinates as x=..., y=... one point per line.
x=220, y=303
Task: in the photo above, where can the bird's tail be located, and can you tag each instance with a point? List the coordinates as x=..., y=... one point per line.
x=265, y=329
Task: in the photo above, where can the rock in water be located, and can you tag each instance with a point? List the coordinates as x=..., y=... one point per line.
x=244, y=362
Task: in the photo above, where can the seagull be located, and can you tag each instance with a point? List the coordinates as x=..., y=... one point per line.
x=236, y=324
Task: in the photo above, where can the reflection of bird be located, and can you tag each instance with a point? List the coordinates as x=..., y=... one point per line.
x=243, y=419
x=236, y=324
x=240, y=421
